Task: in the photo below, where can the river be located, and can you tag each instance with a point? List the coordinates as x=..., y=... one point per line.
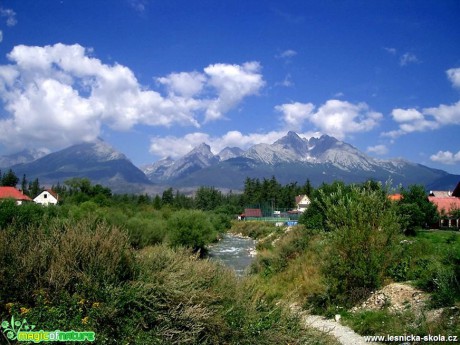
x=234, y=251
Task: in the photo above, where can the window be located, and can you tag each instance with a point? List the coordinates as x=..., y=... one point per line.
x=45, y=195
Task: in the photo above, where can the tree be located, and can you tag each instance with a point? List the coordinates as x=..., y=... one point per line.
x=415, y=210
x=364, y=229
x=190, y=228
x=34, y=188
x=10, y=179
x=208, y=198
x=167, y=197
x=24, y=188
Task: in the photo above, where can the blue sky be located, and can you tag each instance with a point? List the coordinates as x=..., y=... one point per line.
x=155, y=78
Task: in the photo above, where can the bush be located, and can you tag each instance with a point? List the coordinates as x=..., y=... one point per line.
x=144, y=232
x=362, y=246
x=190, y=228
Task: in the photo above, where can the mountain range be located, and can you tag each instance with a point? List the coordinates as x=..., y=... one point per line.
x=289, y=159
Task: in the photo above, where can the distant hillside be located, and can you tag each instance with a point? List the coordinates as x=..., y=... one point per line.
x=96, y=161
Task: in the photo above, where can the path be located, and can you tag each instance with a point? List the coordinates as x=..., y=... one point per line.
x=345, y=335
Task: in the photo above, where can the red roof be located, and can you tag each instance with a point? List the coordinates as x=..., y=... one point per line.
x=445, y=203
x=12, y=193
x=395, y=197
x=253, y=212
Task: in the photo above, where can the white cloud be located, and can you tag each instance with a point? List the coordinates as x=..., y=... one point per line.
x=336, y=118
x=454, y=76
x=404, y=115
x=407, y=59
x=187, y=84
x=59, y=95
x=233, y=83
x=413, y=120
x=378, y=149
x=445, y=114
x=10, y=16
x=295, y=114
x=446, y=157
x=288, y=54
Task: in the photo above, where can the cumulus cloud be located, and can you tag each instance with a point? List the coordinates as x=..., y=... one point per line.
x=378, y=149
x=336, y=118
x=186, y=84
x=295, y=114
x=414, y=120
x=454, y=76
x=446, y=157
x=233, y=83
x=59, y=95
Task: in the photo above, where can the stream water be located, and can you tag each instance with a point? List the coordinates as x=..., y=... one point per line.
x=234, y=251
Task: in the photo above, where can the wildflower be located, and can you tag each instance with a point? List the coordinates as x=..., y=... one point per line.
x=96, y=304
x=82, y=301
x=9, y=306
x=24, y=310
x=85, y=320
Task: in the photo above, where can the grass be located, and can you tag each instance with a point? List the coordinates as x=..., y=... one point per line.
x=288, y=267
x=85, y=276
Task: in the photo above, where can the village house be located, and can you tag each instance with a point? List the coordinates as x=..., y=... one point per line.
x=46, y=198
x=302, y=202
x=448, y=205
x=13, y=193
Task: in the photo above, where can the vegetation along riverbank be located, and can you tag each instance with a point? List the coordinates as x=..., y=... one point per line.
x=133, y=269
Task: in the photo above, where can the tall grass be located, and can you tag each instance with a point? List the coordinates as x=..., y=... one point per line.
x=85, y=276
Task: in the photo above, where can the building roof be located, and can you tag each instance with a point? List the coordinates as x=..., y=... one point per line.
x=50, y=191
x=395, y=197
x=456, y=191
x=12, y=193
x=299, y=198
x=253, y=212
x=445, y=204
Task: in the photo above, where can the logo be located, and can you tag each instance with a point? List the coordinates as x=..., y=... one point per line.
x=23, y=331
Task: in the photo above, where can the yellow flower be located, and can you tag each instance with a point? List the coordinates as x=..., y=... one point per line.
x=9, y=305
x=24, y=310
x=85, y=320
x=96, y=304
x=82, y=301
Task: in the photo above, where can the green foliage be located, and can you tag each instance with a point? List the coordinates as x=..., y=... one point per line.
x=190, y=228
x=22, y=215
x=253, y=229
x=364, y=232
x=84, y=276
x=415, y=210
x=9, y=179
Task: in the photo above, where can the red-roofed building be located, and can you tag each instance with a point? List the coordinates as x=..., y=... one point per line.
x=446, y=206
x=395, y=197
x=13, y=193
x=251, y=213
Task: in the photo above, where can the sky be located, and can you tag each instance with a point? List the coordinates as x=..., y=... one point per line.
x=155, y=78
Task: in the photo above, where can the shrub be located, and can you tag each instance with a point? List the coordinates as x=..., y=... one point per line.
x=190, y=228
x=362, y=246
